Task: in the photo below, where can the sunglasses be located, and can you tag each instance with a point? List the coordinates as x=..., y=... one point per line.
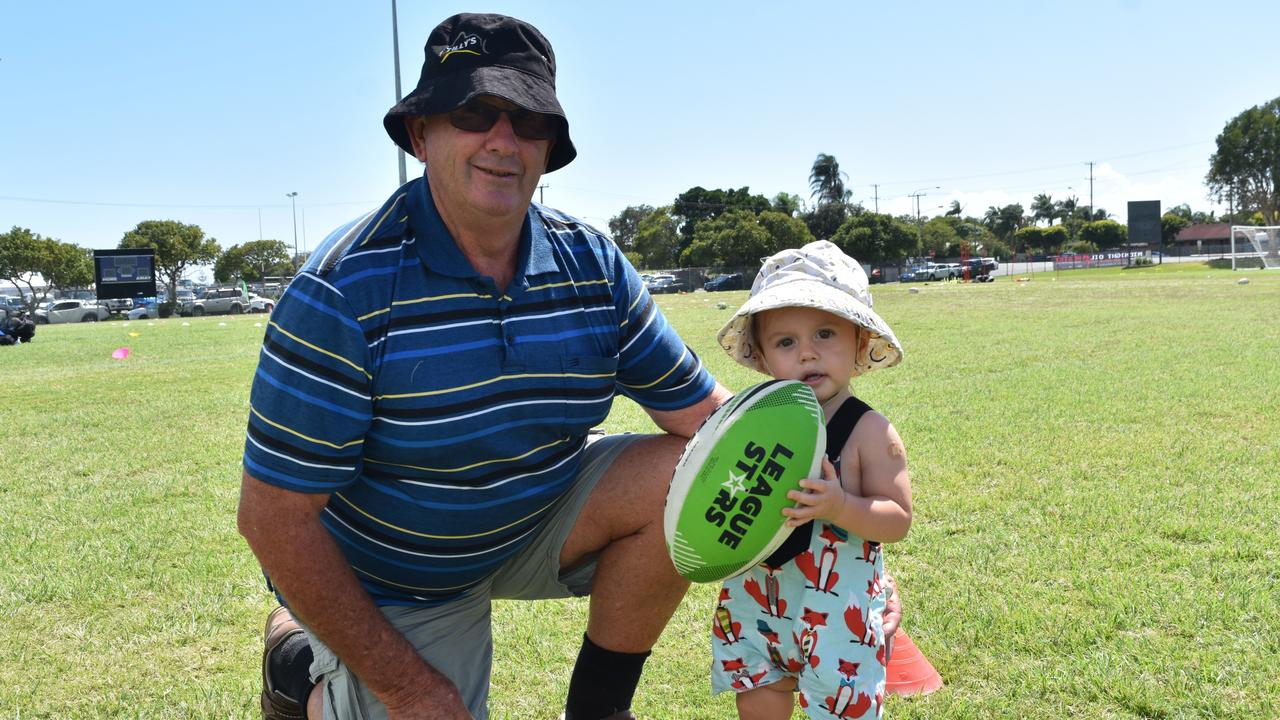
x=479, y=117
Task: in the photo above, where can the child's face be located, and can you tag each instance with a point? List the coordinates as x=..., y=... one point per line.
x=813, y=346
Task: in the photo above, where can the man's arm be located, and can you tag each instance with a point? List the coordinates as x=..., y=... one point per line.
x=685, y=421
x=284, y=531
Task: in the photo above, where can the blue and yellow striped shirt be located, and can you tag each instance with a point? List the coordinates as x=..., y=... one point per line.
x=445, y=417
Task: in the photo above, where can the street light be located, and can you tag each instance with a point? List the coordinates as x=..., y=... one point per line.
x=293, y=201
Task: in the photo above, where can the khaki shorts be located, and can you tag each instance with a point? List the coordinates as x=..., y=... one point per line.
x=455, y=637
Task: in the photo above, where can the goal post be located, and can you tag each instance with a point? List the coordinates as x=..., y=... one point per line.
x=1255, y=242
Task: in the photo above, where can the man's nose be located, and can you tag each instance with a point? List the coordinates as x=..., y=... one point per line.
x=502, y=135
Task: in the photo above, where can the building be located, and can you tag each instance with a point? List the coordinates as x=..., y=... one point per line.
x=1204, y=239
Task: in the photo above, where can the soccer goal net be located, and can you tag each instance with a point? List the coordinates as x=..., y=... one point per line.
x=1255, y=246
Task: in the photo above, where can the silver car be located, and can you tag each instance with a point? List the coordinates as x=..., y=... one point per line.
x=67, y=311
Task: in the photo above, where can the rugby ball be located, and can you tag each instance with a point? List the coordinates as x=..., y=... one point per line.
x=724, y=507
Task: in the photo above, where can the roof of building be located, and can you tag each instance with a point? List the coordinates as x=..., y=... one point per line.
x=1205, y=231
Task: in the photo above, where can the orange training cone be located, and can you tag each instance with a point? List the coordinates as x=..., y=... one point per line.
x=909, y=671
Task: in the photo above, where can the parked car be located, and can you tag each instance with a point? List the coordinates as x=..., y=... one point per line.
x=117, y=305
x=732, y=281
x=661, y=284
x=217, y=302
x=258, y=304
x=918, y=273
x=11, y=306
x=945, y=271
x=980, y=269
x=145, y=311
x=65, y=311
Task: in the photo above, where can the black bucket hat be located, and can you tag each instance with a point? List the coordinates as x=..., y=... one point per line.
x=473, y=54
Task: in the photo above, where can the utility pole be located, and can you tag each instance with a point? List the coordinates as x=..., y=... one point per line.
x=877, y=195
x=540, y=189
x=917, y=194
x=293, y=198
x=1091, y=191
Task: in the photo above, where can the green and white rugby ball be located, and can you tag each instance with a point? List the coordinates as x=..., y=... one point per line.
x=724, y=506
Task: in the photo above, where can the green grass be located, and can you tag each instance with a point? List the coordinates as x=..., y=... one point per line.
x=1094, y=456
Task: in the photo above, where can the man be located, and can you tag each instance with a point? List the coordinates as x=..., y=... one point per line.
x=418, y=430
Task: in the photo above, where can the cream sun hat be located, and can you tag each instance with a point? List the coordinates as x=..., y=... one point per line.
x=818, y=276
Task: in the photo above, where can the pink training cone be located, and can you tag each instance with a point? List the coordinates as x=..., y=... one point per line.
x=909, y=671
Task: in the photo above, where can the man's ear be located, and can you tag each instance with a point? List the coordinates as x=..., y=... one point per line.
x=416, y=126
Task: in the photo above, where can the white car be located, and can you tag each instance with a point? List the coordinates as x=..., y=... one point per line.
x=257, y=304
x=66, y=311
x=150, y=311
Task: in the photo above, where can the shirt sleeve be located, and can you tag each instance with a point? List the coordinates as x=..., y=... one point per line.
x=310, y=405
x=655, y=367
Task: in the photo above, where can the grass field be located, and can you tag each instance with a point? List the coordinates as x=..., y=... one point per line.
x=1094, y=454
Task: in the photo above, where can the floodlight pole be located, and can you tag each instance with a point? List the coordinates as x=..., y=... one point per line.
x=395, y=48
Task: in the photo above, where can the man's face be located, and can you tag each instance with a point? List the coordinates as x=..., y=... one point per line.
x=479, y=176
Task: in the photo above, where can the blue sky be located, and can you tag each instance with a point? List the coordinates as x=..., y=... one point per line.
x=209, y=113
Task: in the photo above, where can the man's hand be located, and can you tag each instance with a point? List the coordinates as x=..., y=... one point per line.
x=892, y=607
x=821, y=498
x=442, y=701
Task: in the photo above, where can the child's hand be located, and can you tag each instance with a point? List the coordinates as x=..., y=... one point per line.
x=821, y=498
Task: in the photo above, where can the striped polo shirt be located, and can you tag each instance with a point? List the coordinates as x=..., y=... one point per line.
x=444, y=417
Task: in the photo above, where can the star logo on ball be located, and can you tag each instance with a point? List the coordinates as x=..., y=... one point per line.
x=736, y=484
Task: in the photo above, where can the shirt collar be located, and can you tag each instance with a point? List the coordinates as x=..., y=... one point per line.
x=440, y=253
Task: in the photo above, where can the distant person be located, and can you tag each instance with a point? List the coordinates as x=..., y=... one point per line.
x=16, y=329
x=811, y=618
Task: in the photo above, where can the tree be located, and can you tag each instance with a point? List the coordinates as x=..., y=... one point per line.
x=824, y=220
x=177, y=246
x=955, y=209
x=626, y=224
x=787, y=204
x=1055, y=238
x=733, y=239
x=1042, y=208
x=938, y=237
x=1171, y=224
x=253, y=261
x=1104, y=234
x=1246, y=166
x=874, y=237
x=1030, y=239
x=697, y=204
x=25, y=255
x=784, y=231
x=657, y=241
x=1004, y=222
x=827, y=181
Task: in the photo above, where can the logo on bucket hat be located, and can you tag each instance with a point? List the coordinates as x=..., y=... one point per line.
x=464, y=44
x=485, y=54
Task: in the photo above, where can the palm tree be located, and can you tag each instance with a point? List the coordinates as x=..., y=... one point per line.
x=1009, y=219
x=1042, y=209
x=955, y=209
x=991, y=217
x=826, y=180
x=1067, y=208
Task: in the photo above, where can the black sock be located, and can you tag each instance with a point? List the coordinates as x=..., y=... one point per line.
x=290, y=668
x=603, y=682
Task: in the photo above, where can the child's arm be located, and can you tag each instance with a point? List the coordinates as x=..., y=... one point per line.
x=875, y=459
